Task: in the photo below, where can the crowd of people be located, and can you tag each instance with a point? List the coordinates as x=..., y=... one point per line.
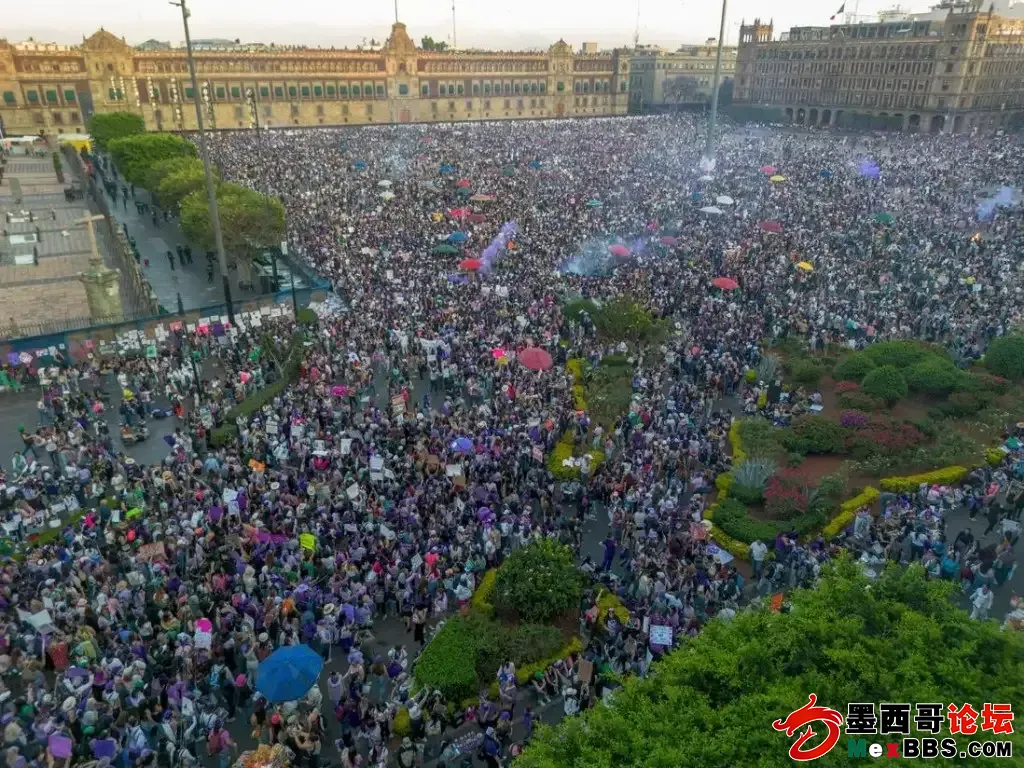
x=408, y=456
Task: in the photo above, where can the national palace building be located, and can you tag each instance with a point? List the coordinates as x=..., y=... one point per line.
x=48, y=88
x=958, y=67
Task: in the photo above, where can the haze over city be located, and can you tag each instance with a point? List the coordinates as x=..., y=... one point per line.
x=492, y=24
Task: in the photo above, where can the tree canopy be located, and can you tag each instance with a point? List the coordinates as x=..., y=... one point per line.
x=249, y=221
x=136, y=155
x=188, y=177
x=430, y=44
x=538, y=582
x=712, y=702
x=1005, y=356
x=114, y=125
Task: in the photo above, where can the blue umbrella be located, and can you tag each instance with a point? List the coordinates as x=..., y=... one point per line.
x=535, y=164
x=458, y=237
x=288, y=673
x=360, y=165
x=462, y=445
x=447, y=168
x=825, y=173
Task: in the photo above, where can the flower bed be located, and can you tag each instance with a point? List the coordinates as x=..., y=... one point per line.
x=848, y=511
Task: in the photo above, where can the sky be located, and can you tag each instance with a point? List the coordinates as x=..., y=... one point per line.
x=480, y=23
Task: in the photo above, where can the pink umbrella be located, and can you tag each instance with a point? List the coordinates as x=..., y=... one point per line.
x=339, y=391
x=462, y=183
x=535, y=359
x=771, y=226
x=470, y=264
x=458, y=213
x=204, y=625
x=619, y=250
x=768, y=169
x=669, y=241
x=725, y=283
x=477, y=218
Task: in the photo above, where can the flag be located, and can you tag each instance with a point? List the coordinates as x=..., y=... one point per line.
x=841, y=9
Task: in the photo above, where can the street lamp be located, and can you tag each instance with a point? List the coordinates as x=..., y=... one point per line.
x=211, y=192
x=709, y=147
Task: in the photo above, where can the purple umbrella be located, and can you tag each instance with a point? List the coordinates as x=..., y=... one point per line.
x=76, y=673
x=216, y=513
x=462, y=445
x=484, y=513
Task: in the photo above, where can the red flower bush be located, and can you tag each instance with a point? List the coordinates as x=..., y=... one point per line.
x=882, y=436
x=842, y=387
x=787, y=495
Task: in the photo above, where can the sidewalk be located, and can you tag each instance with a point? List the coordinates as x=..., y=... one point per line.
x=154, y=241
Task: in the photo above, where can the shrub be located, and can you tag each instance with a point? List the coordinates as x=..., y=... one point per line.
x=848, y=511
x=481, y=601
x=606, y=600
x=402, y=724
x=882, y=437
x=736, y=442
x=756, y=437
x=853, y=367
x=1005, y=356
x=768, y=368
x=898, y=354
x=986, y=382
x=858, y=401
x=563, y=450
x=444, y=666
x=994, y=457
x=910, y=483
x=962, y=404
x=104, y=127
x=786, y=496
x=853, y=419
x=831, y=487
x=750, y=376
x=526, y=672
x=933, y=376
x=538, y=581
x=886, y=383
x=753, y=473
x=818, y=434
x=734, y=521
x=843, y=387
x=724, y=483
x=806, y=373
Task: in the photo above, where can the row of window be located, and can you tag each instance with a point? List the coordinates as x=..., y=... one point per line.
x=874, y=68
x=34, y=97
x=458, y=89
x=520, y=104
x=57, y=118
x=841, y=98
x=917, y=51
x=235, y=93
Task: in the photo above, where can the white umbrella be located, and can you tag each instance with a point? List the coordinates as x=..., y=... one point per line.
x=724, y=200
x=388, y=195
x=712, y=209
x=707, y=178
x=383, y=183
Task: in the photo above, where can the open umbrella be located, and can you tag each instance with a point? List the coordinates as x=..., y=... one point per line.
x=706, y=178
x=777, y=178
x=447, y=168
x=670, y=241
x=476, y=218
x=458, y=213
x=724, y=200
x=458, y=237
x=462, y=445
x=825, y=173
x=725, y=283
x=288, y=673
x=359, y=165
x=444, y=248
x=383, y=183
x=509, y=171
x=463, y=192
x=481, y=198
x=806, y=266
x=470, y=264
x=387, y=194
x=714, y=210
x=535, y=164
x=619, y=250
x=771, y=226
x=768, y=170
x=884, y=218
x=593, y=204
x=463, y=183
x=535, y=359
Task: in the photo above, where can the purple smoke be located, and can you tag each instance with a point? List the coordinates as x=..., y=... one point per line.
x=492, y=251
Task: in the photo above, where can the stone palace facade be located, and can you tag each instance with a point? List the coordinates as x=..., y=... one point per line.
x=48, y=89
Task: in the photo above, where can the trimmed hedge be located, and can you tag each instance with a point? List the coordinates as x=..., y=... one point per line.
x=853, y=367
x=481, y=600
x=910, y=483
x=736, y=442
x=446, y=662
x=606, y=600
x=885, y=383
x=848, y=512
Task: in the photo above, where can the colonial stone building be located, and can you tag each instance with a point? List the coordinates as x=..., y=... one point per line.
x=52, y=89
x=663, y=78
x=957, y=68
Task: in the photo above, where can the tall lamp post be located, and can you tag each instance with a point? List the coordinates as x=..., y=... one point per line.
x=211, y=192
x=709, y=147
x=250, y=96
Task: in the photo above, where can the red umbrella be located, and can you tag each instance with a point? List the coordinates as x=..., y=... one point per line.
x=669, y=241
x=768, y=170
x=462, y=183
x=771, y=226
x=619, y=250
x=458, y=213
x=476, y=218
x=535, y=359
x=725, y=283
x=471, y=264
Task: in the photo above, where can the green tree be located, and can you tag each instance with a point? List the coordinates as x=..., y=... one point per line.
x=176, y=186
x=430, y=44
x=104, y=128
x=1005, y=356
x=159, y=170
x=249, y=222
x=885, y=383
x=538, y=581
x=712, y=703
x=135, y=155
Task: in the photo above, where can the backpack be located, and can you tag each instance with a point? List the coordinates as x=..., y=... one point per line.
x=214, y=742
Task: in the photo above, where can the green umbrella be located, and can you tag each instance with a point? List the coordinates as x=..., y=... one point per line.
x=594, y=204
x=445, y=249
x=884, y=218
x=464, y=192
x=509, y=171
